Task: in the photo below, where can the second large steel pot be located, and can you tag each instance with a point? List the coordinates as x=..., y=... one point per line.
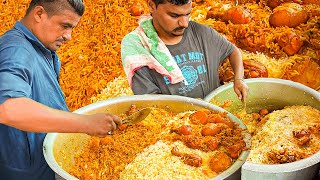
x=272, y=94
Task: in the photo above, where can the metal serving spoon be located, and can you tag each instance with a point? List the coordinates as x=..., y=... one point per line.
x=135, y=117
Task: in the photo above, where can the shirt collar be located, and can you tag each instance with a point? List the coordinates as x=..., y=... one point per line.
x=32, y=38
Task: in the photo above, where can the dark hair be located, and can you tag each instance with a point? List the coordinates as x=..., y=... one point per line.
x=55, y=6
x=175, y=2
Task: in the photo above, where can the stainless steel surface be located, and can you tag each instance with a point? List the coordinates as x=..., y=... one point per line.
x=305, y=169
x=273, y=94
x=267, y=93
x=58, y=177
x=59, y=149
x=137, y=116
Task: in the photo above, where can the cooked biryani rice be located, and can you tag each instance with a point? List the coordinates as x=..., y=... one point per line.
x=156, y=162
x=145, y=150
x=274, y=141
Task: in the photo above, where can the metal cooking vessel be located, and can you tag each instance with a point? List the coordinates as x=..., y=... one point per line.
x=273, y=94
x=59, y=149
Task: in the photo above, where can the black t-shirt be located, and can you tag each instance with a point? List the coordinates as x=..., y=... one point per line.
x=198, y=55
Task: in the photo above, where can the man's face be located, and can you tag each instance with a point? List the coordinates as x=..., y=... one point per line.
x=170, y=20
x=55, y=30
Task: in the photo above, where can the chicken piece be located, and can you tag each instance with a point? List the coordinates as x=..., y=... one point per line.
x=199, y=117
x=218, y=118
x=213, y=144
x=193, y=142
x=251, y=39
x=215, y=12
x=305, y=71
x=256, y=116
x=317, y=2
x=263, y=112
x=247, y=1
x=274, y=3
x=235, y=149
x=290, y=42
x=252, y=69
x=183, y=130
x=136, y=9
x=284, y=156
x=315, y=42
x=303, y=136
x=314, y=129
x=253, y=43
x=304, y=140
x=210, y=129
x=189, y=159
x=301, y=133
x=288, y=14
x=220, y=162
x=238, y=15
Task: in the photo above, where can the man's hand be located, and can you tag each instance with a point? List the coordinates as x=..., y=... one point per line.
x=241, y=89
x=102, y=123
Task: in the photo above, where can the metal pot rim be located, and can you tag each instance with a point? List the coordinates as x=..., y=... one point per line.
x=281, y=168
x=275, y=168
x=50, y=137
x=297, y=85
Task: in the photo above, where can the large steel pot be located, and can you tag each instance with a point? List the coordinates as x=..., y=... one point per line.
x=59, y=149
x=273, y=94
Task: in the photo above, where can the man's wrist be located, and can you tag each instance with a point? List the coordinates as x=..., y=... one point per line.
x=238, y=79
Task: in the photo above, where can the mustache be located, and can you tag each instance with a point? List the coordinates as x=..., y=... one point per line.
x=179, y=28
x=62, y=40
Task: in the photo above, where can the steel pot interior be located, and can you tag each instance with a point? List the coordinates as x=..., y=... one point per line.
x=272, y=94
x=59, y=149
x=267, y=93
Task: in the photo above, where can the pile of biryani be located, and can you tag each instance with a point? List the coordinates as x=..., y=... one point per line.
x=278, y=38
x=284, y=135
x=188, y=145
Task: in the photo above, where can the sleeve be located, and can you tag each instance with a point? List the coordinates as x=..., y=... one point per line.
x=15, y=73
x=142, y=82
x=224, y=46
